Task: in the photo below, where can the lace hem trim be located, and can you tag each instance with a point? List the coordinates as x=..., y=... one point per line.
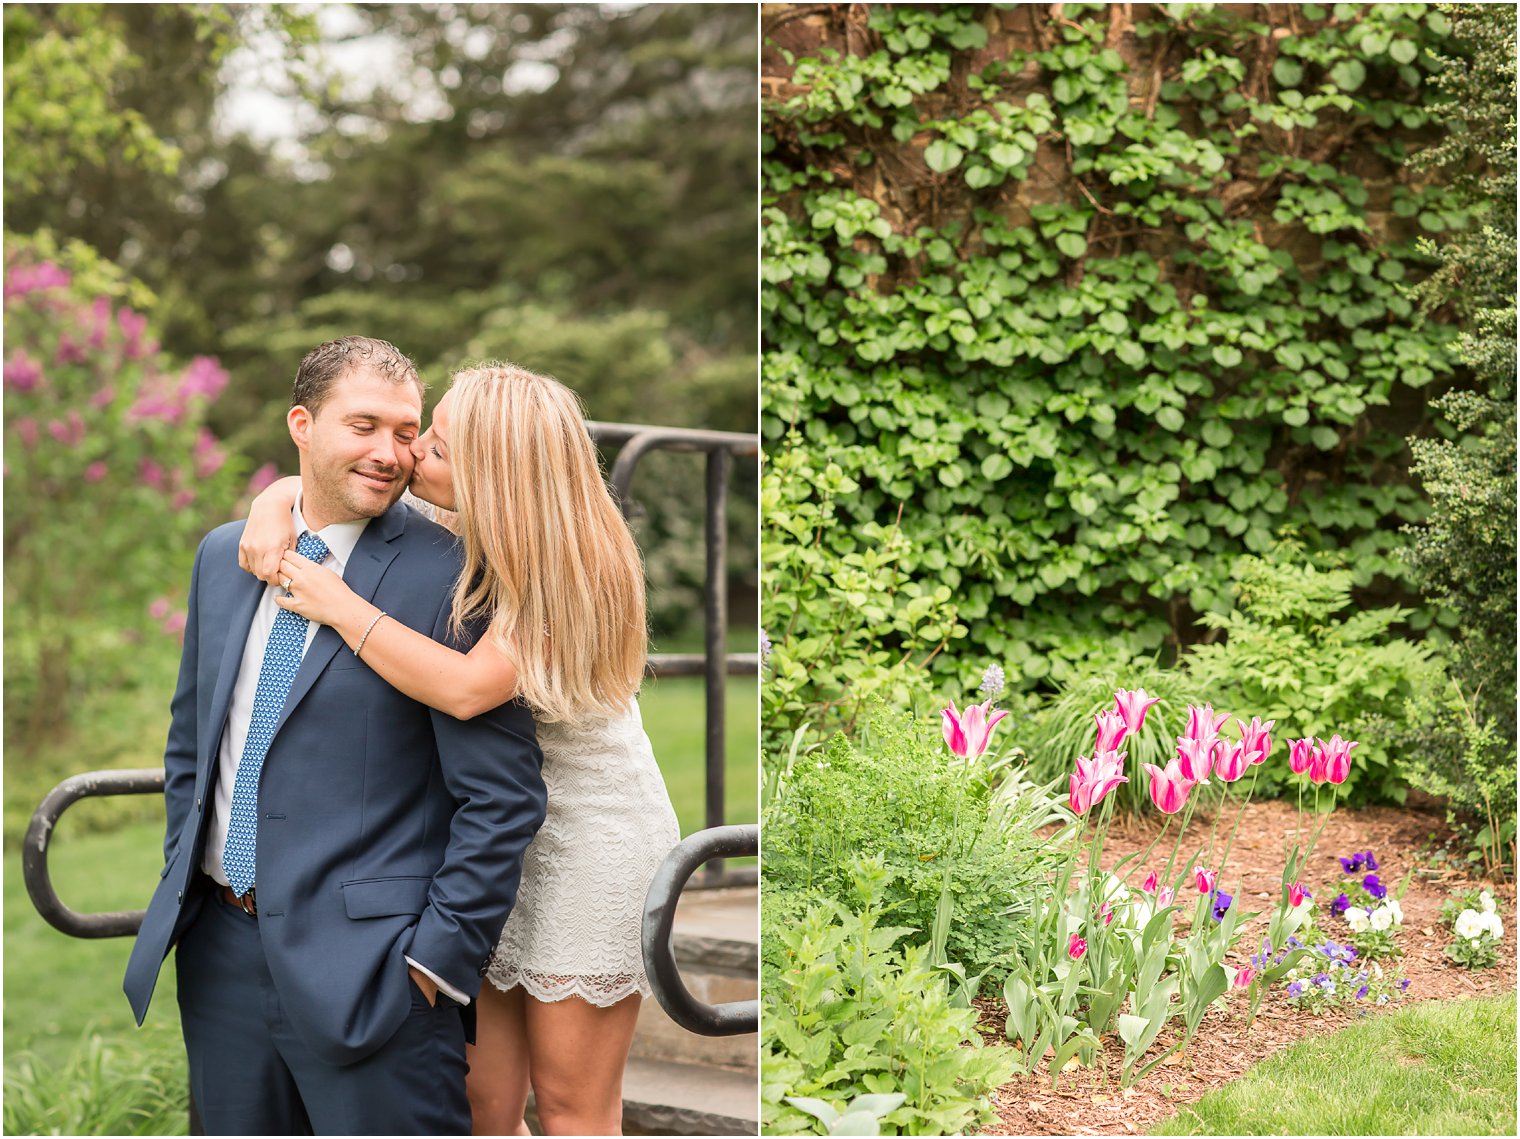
x=601, y=991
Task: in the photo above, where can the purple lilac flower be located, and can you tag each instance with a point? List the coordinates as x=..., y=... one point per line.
x=1351, y=865
x=992, y=682
x=1341, y=904
x=22, y=372
x=1374, y=887
x=765, y=646
x=1221, y=902
x=1368, y=861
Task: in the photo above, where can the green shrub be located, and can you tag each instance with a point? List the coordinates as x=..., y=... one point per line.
x=1289, y=655
x=940, y=830
x=847, y=1015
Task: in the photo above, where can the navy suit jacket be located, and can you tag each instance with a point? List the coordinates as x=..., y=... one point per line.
x=386, y=829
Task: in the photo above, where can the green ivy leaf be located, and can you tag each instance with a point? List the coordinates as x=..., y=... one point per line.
x=943, y=156
x=1348, y=74
x=1074, y=245
x=1170, y=418
x=1287, y=71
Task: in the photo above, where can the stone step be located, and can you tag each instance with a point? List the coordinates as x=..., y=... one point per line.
x=663, y=1098
x=716, y=942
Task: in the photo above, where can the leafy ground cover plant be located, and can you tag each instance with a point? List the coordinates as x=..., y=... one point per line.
x=958, y=833
x=847, y=1015
x=1473, y=917
x=1299, y=651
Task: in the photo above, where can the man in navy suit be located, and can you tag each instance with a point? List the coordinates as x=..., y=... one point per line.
x=339, y=859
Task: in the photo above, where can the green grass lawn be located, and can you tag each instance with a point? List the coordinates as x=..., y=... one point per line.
x=1443, y=1068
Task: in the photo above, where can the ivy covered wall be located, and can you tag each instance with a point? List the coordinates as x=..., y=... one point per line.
x=1068, y=306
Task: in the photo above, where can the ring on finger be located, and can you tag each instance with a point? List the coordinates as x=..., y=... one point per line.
x=285, y=585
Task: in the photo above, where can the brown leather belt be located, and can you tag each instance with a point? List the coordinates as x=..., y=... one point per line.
x=247, y=903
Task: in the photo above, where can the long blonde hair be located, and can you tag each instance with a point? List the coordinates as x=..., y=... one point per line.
x=548, y=558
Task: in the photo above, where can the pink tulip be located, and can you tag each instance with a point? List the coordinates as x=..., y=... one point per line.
x=1203, y=723
x=1300, y=754
x=1194, y=758
x=1231, y=762
x=1319, y=766
x=1205, y=879
x=1106, y=912
x=1164, y=898
x=1337, y=758
x=1111, y=731
x=1255, y=740
x=1297, y=894
x=1133, y=706
x=1095, y=778
x=1150, y=884
x=1169, y=788
x=1244, y=976
x=1076, y=947
x=968, y=733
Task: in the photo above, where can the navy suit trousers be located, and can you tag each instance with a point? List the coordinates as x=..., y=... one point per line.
x=250, y=1072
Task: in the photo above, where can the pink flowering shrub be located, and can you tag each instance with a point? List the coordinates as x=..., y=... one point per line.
x=110, y=481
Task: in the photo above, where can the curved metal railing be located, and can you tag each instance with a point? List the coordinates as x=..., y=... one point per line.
x=733, y=1017
x=39, y=834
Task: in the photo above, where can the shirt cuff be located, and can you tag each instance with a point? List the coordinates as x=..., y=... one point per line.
x=443, y=986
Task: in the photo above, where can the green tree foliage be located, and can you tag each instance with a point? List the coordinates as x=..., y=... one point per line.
x=1462, y=732
x=1099, y=307
x=566, y=186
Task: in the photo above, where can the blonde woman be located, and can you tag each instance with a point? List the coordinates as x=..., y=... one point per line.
x=551, y=568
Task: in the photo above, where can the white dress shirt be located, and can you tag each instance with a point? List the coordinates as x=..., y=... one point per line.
x=340, y=539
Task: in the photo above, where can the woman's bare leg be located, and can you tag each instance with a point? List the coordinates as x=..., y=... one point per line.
x=498, y=1079
x=577, y=1052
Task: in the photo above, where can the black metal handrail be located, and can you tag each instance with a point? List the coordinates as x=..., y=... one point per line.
x=659, y=908
x=637, y=440
x=39, y=835
x=733, y=1017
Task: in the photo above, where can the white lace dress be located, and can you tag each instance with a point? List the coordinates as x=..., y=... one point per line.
x=576, y=928
x=575, y=931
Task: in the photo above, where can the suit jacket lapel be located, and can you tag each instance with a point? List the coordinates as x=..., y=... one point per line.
x=247, y=591
x=372, y=555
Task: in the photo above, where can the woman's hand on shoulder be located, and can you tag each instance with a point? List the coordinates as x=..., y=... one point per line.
x=269, y=531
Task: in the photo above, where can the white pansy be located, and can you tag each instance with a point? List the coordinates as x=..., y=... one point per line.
x=1357, y=919
x=1468, y=926
x=1486, y=902
x=1396, y=910
x=1491, y=922
x=1381, y=919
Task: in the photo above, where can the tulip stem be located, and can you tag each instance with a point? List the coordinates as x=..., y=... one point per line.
x=1230, y=845
x=1140, y=862
x=1171, y=858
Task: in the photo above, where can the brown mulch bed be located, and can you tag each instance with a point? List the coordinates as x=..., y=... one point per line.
x=1089, y=1101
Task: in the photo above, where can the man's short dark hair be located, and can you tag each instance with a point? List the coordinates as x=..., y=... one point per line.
x=327, y=363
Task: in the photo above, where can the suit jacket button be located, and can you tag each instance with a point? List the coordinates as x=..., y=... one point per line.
x=180, y=897
x=197, y=804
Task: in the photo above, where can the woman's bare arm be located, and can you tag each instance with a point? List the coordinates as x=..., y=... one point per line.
x=462, y=685
x=269, y=532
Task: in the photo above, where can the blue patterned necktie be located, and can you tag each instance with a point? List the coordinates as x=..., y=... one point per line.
x=282, y=657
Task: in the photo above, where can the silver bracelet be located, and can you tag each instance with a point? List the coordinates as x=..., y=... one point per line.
x=359, y=648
